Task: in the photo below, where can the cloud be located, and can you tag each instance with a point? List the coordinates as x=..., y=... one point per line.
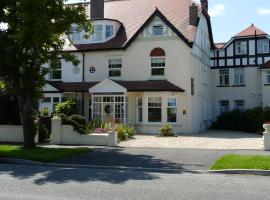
x=263, y=11
x=218, y=9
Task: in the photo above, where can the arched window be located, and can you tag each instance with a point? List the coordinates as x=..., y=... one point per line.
x=158, y=62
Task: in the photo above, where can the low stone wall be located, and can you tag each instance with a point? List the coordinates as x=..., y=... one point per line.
x=65, y=134
x=12, y=133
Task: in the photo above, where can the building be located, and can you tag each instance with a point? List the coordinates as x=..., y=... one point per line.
x=241, y=71
x=147, y=64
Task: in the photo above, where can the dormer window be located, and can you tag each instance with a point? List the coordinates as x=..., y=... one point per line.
x=263, y=46
x=157, y=29
x=98, y=33
x=109, y=31
x=75, y=33
x=241, y=47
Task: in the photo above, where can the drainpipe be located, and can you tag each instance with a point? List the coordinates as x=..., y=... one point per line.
x=83, y=79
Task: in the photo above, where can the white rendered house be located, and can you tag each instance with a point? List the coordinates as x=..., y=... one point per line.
x=148, y=63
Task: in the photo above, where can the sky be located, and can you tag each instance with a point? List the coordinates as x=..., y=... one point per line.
x=230, y=17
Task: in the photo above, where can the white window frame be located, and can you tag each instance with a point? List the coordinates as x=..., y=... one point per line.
x=241, y=47
x=137, y=110
x=157, y=29
x=222, y=109
x=239, y=76
x=110, y=31
x=159, y=67
x=161, y=112
x=263, y=45
x=236, y=105
x=54, y=70
x=115, y=68
x=175, y=107
x=98, y=34
x=222, y=77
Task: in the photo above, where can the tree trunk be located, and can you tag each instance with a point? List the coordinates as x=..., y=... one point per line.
x=27, y=116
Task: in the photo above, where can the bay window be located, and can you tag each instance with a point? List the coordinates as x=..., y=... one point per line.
x=171, y=110
x=154, y=109
x=115, y=66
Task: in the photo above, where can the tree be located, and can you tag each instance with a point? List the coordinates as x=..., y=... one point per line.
x=35, y=37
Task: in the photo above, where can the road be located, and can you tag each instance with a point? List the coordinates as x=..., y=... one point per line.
x=27, y=182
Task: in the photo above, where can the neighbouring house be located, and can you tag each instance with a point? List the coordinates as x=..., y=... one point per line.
x=241, y=71
x=147, y=63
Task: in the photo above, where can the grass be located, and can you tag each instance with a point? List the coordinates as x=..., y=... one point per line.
x=40, y=154
x=233, y=161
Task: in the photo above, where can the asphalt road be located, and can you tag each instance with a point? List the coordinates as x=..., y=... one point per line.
x=19, y=182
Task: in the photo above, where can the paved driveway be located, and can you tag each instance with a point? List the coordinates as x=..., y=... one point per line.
x=205, y=140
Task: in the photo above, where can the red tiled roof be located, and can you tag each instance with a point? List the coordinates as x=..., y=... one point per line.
x=250, y=31
x=133, y=14
x=220, y=45
x=131, y=86
x=265, y=65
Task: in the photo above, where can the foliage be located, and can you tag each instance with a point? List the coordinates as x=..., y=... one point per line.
x=34, y=37
x=101, y=130
x=68, y=107
x=40, y=154
x=125, y=132
x=76, y=121
x=93, y=125
x=242, y=162
x=166, y=130
x=9, y=109
x=248, y=121
x=45, y=112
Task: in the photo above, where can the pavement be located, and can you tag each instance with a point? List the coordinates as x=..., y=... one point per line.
x=19, y=182
x=210, y=139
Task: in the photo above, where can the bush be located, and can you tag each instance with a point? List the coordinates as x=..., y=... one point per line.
x=79, y=119
x=68, y=107
x=248, y=121
x=77, y=122
x=45, y=112
x=93, y=125
x=125, y=132
x=9, y=109
x=166, y=130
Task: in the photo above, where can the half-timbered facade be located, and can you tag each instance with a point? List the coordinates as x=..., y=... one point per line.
x=240, y=71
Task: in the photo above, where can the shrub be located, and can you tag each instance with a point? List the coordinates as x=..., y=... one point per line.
x=102, y=130
x=93, y=125
x=68, y=107
x=250, y=120
x=79, y=119
x=125, y=132
x=45, y=112
x=166, y=130
x=79, y=125
x=9, y=109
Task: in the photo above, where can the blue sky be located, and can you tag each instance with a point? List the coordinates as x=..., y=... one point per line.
x=232, y=16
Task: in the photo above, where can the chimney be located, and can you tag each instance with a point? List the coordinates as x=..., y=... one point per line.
x=97, y=9
x=204, y=4
x=193, y=14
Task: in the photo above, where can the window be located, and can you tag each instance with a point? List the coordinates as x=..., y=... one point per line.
x=171, y=110
x=92, y=70
x=241, y=47
x=109, y=31
x=154, y=109
x=157, y=30
x=47, y=100
x=263, y=46
x=192, y=86
x=139, y=110
x=239, y=76
x=157, y=66
x=75, y=33
x=56, y=73
x=115, y=66
x=224, y=106
x=239, y=105
x=268, y=77
x=56, y=100
x=98, y=33
x=224, y=77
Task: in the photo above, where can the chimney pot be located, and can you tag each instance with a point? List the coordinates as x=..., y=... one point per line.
x=193, y=14
x=97, y=9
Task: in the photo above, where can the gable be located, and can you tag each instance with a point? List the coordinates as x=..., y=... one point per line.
x=107, y=86
x=49, y=88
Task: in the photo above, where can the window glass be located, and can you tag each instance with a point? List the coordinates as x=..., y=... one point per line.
x=92, y=70
x=115, y=66
x=109, y=31
x=158, y=66
x=224, y=106
x=263, y=46
x=241, y=47
x=157, y=30
x=139, y=110
x=239, y=105
x=224, y=77
x=75, y=33
x=239, y=76
x=98, y=33
x=47, y=100
x=192, y=86
x=171, y=110
x=154, y=109
x=56, y=73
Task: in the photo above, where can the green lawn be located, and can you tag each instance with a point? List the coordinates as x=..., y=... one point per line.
x=233, y=161
x=39, y=153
